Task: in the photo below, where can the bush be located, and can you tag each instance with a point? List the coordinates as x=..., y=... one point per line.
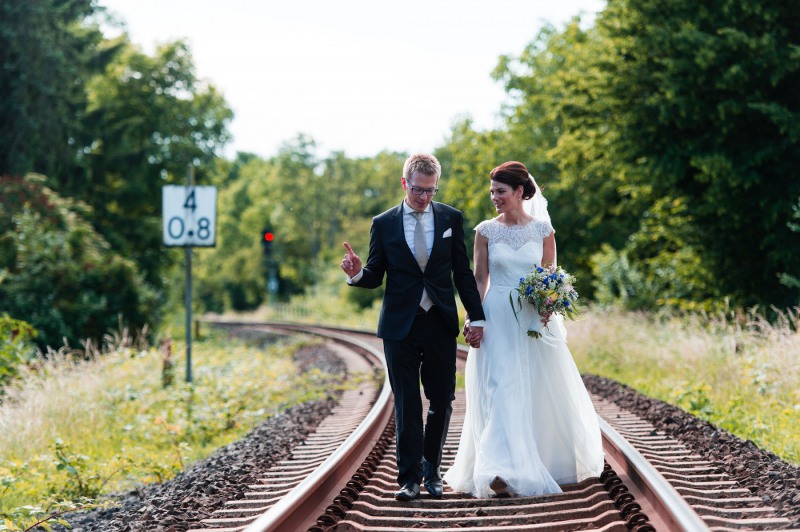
x=58, y=274
x=659, y=266
x=16, y=346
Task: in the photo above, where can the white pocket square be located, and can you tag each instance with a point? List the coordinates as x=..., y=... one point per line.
x=448, y=233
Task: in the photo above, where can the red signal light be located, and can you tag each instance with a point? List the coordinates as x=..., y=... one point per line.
x=269, y=237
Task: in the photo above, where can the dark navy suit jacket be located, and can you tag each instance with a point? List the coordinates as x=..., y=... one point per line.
x=448, y=264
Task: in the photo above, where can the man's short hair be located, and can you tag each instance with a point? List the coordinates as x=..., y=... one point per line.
x=422, y=163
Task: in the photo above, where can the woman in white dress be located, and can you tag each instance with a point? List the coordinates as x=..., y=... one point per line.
x=530, y=425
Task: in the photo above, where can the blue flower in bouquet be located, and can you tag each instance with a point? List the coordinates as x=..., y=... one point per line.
x=549, y=290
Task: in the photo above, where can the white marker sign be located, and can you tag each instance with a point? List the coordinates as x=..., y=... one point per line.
x=190, y=216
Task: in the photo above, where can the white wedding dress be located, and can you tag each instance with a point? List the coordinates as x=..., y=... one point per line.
x=529, y=418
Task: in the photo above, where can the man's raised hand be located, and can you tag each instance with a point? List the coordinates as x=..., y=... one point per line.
x=351, y=263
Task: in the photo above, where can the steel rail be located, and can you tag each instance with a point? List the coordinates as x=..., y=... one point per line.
x=662, y=504
x=299, y=509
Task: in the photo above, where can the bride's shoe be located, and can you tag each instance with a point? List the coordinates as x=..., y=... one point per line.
x=499, y=487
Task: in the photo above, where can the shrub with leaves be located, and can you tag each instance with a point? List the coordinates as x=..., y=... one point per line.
x=58, y=274
x=16, y=346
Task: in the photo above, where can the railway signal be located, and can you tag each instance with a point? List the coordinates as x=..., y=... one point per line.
x=267, y=238
x=267, y=241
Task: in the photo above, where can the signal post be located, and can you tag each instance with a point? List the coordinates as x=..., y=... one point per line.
x=267, y=242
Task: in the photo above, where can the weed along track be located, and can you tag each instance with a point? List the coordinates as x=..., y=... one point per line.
x=341, y=477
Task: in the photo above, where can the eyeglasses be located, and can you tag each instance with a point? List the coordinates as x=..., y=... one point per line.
x=417, y=191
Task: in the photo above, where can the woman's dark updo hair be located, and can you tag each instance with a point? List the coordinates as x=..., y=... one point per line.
x=515, y=175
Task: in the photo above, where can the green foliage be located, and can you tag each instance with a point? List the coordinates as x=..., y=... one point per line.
x=48, y=53
x=320, y=199
x=34, y=517
x=666, y=139
x=147, y=119
x=558, y=128
x=792, y=281
x=58, y=274
x=660, y=265
x=84, y=480
x=466, y=160
x=109, y=126
x=42, y=515
x=16, y=346
x=232, y=275
x=731, y=68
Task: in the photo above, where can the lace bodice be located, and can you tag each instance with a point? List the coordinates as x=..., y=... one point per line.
x=514, y=236
x=513, y=250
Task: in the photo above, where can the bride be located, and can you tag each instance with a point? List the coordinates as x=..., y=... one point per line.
x=530, y=425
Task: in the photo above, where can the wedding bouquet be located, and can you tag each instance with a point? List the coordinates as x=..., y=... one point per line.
x=549, y=291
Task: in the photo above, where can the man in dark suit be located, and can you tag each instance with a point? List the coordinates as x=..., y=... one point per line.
x=419, y=245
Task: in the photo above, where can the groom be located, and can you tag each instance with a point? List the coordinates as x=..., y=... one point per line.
x=419, y=245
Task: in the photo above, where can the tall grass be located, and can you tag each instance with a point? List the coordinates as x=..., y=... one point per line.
x=737, y=371
x=71, y=429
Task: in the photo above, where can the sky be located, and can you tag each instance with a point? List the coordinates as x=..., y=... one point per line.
x=358, y=76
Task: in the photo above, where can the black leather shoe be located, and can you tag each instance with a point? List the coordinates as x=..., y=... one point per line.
x=433, y=479
x=434, y=486
x=408, y=492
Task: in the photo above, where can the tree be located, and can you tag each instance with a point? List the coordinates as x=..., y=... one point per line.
x=148, y=118
x=232, y=275
x=49, y=51
x=672, y=102
x=58, y=274
x=556, y=127
x=311, y=205
x=790, y=280
x=705, y=99
x=317, y=199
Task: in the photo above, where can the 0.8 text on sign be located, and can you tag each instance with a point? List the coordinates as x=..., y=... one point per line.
x=189, y=216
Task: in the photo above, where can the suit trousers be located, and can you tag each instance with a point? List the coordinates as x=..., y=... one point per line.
x=428, y=354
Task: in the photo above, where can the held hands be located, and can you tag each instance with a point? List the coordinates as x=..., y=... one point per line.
x=473, y=335
x=351, y=264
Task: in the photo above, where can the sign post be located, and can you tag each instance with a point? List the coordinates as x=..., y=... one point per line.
x=189, y=220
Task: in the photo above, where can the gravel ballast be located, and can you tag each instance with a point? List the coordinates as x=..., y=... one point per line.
x=777, y=482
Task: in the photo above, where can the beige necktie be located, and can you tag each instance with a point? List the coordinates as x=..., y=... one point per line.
x=420, y=245
x=421, y=253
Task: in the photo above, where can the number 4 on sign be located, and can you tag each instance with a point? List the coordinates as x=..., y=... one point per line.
x=189, y=216
x=190, y=202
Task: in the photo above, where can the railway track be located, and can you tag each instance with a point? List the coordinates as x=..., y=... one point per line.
x=343, y=477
